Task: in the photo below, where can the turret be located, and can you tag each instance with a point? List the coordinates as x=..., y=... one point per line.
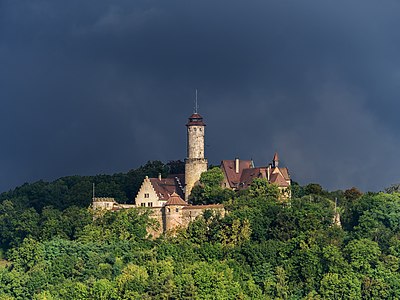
x=275, y=160
x=173, y=212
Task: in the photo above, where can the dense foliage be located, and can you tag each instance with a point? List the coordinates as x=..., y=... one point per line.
x=261, y=249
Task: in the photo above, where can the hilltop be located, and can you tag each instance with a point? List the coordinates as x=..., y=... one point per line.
x=262, y=248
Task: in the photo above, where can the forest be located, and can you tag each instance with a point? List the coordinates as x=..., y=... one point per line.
x=52, y=246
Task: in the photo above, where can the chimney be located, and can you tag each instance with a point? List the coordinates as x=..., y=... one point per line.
x=159, y=176
x=268, y=172
x=237, y=161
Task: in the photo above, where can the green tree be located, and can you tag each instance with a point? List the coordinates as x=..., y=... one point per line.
x=340, y=286
x=363, y=255
x=313, y=189
x=261, y=188
x=16, y=223
x=210, y=191
x=133, y=282
x=103, y=289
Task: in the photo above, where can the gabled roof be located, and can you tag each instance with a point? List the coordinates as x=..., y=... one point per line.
x=228, y=167
x=175, y=200
x=285, y=173
x=247, y=173
x=165, y=187
x=277, y=178
x=248, y=176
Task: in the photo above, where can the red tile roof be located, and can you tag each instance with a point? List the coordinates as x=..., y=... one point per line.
x=276, y=158
x=285, y=173
x=167, y=186
x=248, y=176
x=195, y=120
x=247, y=173
x=228, y=167
x=175, y=200
x=277, y=178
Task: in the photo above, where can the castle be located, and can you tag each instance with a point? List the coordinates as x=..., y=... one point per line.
x=167, y=198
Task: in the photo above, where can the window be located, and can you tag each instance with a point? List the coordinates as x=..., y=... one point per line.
x=146, y=195
x=177, y=209
x=150, y=204
x=143, y=204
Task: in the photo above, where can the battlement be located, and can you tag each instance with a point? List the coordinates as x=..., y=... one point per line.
x=103, y=199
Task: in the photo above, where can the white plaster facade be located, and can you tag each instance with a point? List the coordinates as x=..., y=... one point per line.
x=147, y=196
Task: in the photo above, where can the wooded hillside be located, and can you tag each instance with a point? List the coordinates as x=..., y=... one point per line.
x=52, y=248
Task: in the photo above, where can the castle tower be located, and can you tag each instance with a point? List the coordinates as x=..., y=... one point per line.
x=195, y=163
x=173, y=212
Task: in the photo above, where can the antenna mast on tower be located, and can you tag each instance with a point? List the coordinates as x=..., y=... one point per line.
x=196, y=106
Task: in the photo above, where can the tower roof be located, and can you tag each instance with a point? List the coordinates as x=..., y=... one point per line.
x=175, y=200
x=276, y=158
x=195, y=120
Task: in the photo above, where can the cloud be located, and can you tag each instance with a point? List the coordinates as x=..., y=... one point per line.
x=97, y=86
x=343, y=140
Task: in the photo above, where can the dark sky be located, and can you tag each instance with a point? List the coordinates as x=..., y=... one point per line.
x=96, y=86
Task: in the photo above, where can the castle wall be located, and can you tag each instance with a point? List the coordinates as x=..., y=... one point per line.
x=157, y=213
x=103, y=203
x=285, y=193
x=172, y=217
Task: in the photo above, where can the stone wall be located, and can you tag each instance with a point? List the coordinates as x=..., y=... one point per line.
x=103, y=203
x=195, y=141
x=173, y=217
x=194, y=167
x=157, y=213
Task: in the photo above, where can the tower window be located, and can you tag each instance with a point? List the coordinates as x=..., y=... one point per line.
x=177, y=209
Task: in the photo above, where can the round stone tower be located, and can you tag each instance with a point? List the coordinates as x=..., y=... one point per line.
x=195, y=163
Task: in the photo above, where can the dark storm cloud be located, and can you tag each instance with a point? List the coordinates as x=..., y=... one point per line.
x=103, y=86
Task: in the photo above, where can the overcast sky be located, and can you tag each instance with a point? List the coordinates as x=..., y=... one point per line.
x=94, y=86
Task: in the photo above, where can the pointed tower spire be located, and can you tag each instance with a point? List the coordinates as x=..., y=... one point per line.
x=275, y=160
